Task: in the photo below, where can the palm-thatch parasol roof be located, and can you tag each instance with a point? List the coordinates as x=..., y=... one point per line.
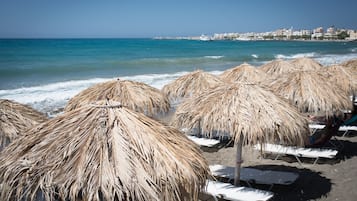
x=102, y=152
x=134, y=95
x=243, y=73
x=311, y=92
x=247, y=113
x=343, y=77
x=15, y=119
x=306, y=64
x=277, y=67
x=190, y=85
x=352, y=64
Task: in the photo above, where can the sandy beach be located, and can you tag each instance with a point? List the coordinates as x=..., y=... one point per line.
x=327, y=180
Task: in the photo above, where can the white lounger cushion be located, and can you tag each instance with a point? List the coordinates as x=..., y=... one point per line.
x=348, y=128
x=267, y=177
x=203, y=141
x=342, y=128
x=316, y=126
x=299, y=151
x=231, y=192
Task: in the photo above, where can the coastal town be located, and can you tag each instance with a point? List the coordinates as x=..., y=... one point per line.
x=319, y=33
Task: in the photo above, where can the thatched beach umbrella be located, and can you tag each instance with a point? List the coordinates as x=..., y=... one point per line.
x=277, y=67
x=352, y=64
x=102, y=152
x=190, y=85
x=246, y=113
x=306, y=64
x=311, y=92
x=15, y=119
x=343, y=77
x=134, y=95
x=243, y=73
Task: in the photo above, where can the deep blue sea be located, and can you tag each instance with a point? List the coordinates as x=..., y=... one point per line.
x=46, y=73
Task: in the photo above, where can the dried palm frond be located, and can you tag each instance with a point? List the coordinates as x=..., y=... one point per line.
x=352, y=64
x=343, y=77
x=102, y=152
x=311, y=92
x=190, y=85
x=15, y=119
x=277, y=67
x=134, y=95
x=243, y=109
x=243, y=73
x=306, y=64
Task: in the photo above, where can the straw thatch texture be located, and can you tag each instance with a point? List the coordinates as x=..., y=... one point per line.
x=16, y=118
x=102, y=152
x=343, y=77
x=134, y=95
x=306, y=64
x=247, y=109
x=352, y=64
x=311, y=92
x=278, y=67
x=190, y=84
x=243, y=73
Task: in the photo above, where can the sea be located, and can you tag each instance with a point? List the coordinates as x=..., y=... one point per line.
x=46, y=73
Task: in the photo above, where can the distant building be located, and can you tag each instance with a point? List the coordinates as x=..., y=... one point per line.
x=303, y=34
x=318, y=33
x=283, y=33
x=352, y=35
x=331, y=33
x=331, y=30
x=319, y=30
x=306, y=32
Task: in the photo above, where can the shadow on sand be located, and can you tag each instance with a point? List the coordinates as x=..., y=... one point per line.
x=348, y=149
x=309, y=186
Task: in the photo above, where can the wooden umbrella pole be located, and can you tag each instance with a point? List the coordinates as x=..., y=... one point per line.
x=239, y=161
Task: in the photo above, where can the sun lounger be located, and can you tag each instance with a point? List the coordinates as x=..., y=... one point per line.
x=344, y=128
x=255, y=176
x=228, y=191
x=203, y=141
x=298, y=152
x=347, y=129
x=316, y=126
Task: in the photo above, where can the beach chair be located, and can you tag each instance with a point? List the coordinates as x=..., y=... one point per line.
x=228, y=191
x=298, y=152
x=203, y=141
x=348, y=126
x=345, y=128
x=336, y=143
x=255, y=176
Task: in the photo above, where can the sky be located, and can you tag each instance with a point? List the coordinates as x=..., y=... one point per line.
x=150, y=18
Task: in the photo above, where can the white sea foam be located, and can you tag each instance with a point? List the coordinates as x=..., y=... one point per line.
x=335, y=59
x=327, y=59
x=51, y=97
x=294, y=56
x=213, y=57
x=255, y=56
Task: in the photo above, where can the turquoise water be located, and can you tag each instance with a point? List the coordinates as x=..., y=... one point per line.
x=45, y=73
